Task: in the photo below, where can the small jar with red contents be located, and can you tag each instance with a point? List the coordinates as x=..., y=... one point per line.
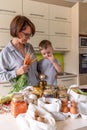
x=18, y=105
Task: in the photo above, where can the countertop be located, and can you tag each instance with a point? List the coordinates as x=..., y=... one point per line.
x=65, y=75
x=8, y=122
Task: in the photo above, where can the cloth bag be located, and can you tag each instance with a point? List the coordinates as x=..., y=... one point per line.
x=37, y=125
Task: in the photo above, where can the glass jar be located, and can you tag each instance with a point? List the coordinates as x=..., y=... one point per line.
x=50, y=91
x=18, y=105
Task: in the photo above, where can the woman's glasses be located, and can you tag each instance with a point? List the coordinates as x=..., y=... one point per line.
x=27, y=35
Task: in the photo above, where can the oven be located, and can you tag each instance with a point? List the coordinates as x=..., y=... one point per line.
x=82, y=54
x=83, y=66
x=83, y=41
x=83, y=63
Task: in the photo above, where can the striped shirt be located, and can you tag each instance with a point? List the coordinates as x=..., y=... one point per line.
x=11, y=60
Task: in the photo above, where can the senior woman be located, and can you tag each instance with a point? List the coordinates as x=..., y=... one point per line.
x=12, y=56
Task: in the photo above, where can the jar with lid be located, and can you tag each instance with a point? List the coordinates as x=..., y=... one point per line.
x=42, y=82
x=18, y=105
x=50, y=91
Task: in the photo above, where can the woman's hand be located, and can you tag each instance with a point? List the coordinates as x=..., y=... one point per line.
x=16, y=40
x=23, y=69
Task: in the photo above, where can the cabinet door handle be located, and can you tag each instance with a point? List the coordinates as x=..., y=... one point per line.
x=61, y=33
x=38, y=15
x=61, y=18
x=10, y=11
x=60, y=48
x=36, y=48
x=4, y=28
x=1, y=46
x=40, y=32
x=6, y=86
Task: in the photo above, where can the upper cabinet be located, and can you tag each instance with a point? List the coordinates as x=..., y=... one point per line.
x=8, y=9
x=52, y=22
x=60, y=27
x=11, y=7
x=61, y=43
x=4, y=29
x=59, y=13
x=37, y=12
x=35, y=9
x=82, y=18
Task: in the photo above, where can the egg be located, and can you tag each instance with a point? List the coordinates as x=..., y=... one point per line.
x=65, y=109
x=73, y=103
x=73, y=110
x=64, y=102
x=41, y=119
x=36, y=113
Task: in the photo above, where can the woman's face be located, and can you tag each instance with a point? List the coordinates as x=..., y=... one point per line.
x=25, y=35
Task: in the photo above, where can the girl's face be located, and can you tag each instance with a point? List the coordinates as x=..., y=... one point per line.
x=25, y=35
x=47, y=52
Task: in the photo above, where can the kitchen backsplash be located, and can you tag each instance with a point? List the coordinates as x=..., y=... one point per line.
x=59, y=56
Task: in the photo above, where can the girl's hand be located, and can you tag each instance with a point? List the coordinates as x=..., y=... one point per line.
x=23, y=69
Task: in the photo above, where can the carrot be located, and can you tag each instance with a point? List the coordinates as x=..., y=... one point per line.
x=20, y=82
x=28, y=59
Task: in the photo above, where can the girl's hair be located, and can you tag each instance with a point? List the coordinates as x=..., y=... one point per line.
x=19, y=23
x=44, y=44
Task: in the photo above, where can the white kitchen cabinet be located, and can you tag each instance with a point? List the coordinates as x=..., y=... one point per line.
x=5, y=21
x=52, y=22
x=41, y=26
x=4, y=29
x=37, y=39
x=11, y=7
x=41, y=32
x=4, y=38
x=61, y=43
x=4, y=88
x=8, y=9
x=67, y=81
x=37, y=12
x=35, y=9
x=59, y=28
x=59, y=13
x=82, y=18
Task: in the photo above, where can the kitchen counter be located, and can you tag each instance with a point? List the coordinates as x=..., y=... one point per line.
x=65, y=75
x=5, y=87
x=8, y=122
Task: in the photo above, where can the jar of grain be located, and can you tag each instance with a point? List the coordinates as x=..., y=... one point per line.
x=18, y=105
